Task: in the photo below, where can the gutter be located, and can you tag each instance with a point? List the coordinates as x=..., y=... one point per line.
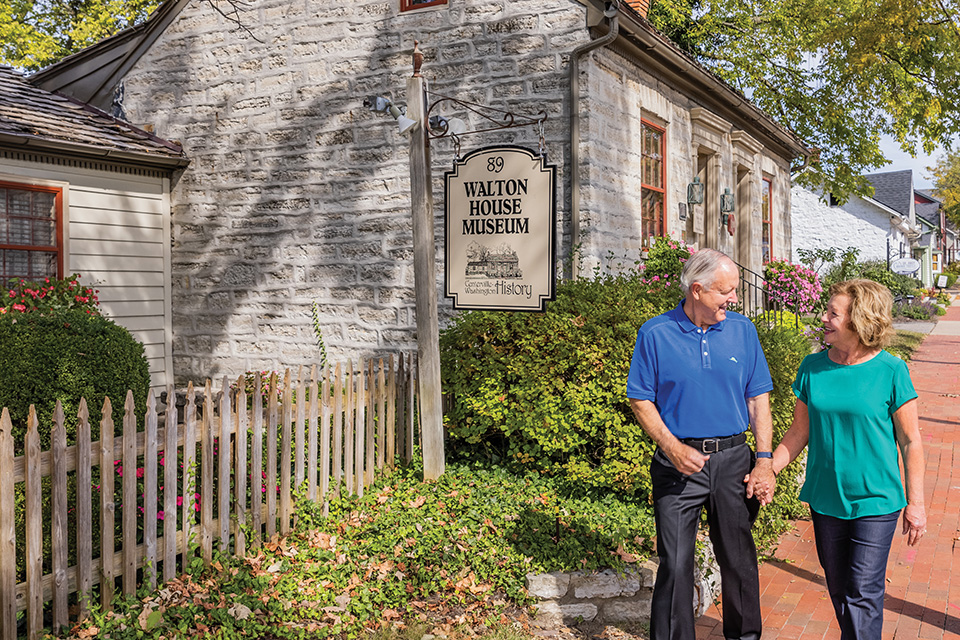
x=41, y=145
x=611, y=12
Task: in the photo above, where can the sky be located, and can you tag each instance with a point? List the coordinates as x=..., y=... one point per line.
x=900, y=161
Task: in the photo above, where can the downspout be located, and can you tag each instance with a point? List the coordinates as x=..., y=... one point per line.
x=611, y=12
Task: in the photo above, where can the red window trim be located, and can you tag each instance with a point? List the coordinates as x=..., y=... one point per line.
x=407, y=5
x=662, y=189
x=766, y=216
x=663, y=155
x=58, y=206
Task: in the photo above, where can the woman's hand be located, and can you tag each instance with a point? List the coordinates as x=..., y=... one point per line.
x=914, y=523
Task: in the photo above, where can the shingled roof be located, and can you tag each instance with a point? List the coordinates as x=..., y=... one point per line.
x=35, y=119
x=894, y=189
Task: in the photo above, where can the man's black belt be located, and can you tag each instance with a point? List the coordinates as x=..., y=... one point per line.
x=713, y=445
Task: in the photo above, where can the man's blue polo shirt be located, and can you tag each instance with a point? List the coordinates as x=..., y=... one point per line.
x=699, y=380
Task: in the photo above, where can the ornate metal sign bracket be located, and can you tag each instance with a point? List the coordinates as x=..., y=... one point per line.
x=495, y=119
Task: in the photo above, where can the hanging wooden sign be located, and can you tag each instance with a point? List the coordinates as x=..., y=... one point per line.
x=500, y=215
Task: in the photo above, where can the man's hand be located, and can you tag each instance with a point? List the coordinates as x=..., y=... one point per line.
x=686, y=459
x=761, y=482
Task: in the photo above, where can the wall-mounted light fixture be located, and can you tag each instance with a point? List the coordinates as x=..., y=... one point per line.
x=446, y=126
x=727, y=204
x=695, y=191
x=383, y=105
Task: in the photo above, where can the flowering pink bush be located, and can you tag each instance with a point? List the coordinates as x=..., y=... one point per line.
x=793, y=285
x=52, y=294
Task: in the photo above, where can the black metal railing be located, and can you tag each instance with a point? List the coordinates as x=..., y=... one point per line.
x=756, y=299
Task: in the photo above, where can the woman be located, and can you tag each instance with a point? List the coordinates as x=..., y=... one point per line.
x=855, y=405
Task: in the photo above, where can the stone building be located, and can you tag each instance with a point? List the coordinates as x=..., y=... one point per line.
x=296, y=194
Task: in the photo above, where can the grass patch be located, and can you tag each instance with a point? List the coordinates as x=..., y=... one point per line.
x=906, y=343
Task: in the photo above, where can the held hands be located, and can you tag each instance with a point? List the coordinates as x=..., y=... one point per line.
x=914, y=523
x=761, y=482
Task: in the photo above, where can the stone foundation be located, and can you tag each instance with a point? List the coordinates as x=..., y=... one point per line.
x=611, y=598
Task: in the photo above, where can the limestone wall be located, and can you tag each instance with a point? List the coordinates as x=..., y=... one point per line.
x=297, y=193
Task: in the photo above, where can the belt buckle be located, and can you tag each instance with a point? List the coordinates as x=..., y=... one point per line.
x=708, y=443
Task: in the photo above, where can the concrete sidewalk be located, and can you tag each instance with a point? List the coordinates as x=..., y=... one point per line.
x=923, y=582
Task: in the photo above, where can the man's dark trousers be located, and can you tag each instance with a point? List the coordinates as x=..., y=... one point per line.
x=678, y=500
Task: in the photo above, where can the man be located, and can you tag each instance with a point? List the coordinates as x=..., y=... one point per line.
x=697, y=379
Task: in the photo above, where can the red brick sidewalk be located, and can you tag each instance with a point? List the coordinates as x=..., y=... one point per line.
x=923, y=583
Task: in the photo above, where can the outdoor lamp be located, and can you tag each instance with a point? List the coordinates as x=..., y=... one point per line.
x=695, y=191
x=383, y=105
x=726, y=201
x=442, y=125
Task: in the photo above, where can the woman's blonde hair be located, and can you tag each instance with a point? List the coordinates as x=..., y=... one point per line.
x=871, y=310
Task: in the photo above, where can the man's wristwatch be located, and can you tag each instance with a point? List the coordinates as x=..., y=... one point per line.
x=764, y=454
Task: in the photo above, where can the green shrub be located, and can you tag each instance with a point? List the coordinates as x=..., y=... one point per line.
x=66, y=356
x=665, y=259
x=847, y=267
x=914, y=309
x=951, y=278
x=547, y=390
x=785, y=347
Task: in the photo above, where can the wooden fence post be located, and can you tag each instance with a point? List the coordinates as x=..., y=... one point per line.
x=58, y=527
x=8, y=544
x=286, y=448
x=189, y=474
x=271, y=461
x=313, y=400
x=150, y=453
x=34, y=527
x=359, y=426
x=240, y=468
x=129, y=496
x=108, y=506
x=170, y=459
x=84, y=511
x=325, y=438
x=256, y=464
x=225, y=459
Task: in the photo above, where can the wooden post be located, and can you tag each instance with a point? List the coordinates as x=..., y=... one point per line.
x=170, y=460
x=8, y=541
x=425, y=282
x=225, y=460
x=108, y=506
x=150, y=491
x=240, y=468
x=189, y=475
x=33, y=557
x=84, y=511
x=58, y=529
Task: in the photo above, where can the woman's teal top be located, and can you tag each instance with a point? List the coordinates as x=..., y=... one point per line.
x=852, y=466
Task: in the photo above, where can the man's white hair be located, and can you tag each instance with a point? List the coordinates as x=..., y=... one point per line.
x=702, y=267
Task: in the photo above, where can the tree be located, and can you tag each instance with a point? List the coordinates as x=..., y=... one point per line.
x=36, y=34
x=840, y=73
x=946, y=184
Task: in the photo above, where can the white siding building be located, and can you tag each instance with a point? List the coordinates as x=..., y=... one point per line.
x=110, y=185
